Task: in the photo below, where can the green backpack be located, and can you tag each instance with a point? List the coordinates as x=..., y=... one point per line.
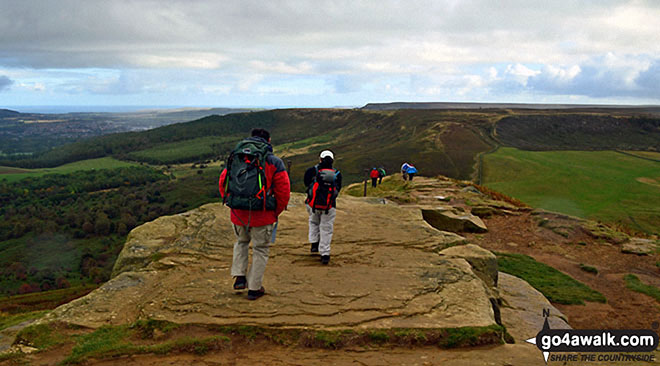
x=245, y=180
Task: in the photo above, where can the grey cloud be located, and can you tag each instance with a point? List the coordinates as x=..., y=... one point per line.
x=595, y=79
x=5, y=82
x=123, y=33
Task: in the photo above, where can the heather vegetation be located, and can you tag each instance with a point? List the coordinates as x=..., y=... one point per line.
x=62, y=230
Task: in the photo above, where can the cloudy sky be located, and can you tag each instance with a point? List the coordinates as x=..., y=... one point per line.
x=327, y=53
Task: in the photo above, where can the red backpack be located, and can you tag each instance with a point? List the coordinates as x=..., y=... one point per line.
x=323, y=190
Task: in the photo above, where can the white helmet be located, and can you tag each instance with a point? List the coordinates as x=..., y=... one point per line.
x=327, y=153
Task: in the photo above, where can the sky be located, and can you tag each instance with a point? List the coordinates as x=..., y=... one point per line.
x=320, y=53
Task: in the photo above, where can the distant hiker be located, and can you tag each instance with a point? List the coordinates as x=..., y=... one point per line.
x=404, y=170
x=381, y=173
x=411, y=171
x=374, y=176
x=255, y=185
x=323, y=184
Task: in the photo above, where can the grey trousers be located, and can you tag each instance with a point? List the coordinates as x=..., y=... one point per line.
x=321, y=225
x=260, y=237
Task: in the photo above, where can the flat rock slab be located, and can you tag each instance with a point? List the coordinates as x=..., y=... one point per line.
x=444, y=219
x=385, y=272
x=640, y=246
x=522, y=311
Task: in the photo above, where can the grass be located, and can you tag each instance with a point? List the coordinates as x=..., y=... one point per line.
x=109, y=341
x=140, y=338
x=601, y=185
x=635, y=284
x=42, y=336
x=14, y=174
x=444, y=338
x=10, y=320
x=588, y=269
x=114, y=341
x=393, y=187
x=553, y=284
x=106, y=340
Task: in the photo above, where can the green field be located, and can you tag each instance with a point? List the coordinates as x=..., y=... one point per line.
x=602, y=185
x=185, y=151
x=12, y=174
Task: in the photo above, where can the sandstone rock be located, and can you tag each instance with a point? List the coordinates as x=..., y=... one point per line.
x=453, y=222
x=484, y=211
x=522, y=308
x=385, y=272
x=566, y=225
x=471, y=189
x=483, y=262
x=640, y=246
x=199, y=231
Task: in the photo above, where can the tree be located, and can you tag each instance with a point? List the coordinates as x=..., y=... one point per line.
x=62, y=282
x=87, y=263
x=102, y=224
x=88, y=227
x=18, y=269
x=122, y=229
x=27, y=288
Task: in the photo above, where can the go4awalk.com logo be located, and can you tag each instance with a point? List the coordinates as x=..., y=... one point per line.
x=595, y=345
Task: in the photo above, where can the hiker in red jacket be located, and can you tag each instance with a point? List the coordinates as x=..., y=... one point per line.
x=374, y=175
x=256, y=186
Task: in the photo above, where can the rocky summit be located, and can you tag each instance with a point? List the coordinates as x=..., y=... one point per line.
x=389, y=269
x=395, y=270
x=385, y=273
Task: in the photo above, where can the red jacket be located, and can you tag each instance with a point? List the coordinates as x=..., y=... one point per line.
x=374, y=173
x=278, y=179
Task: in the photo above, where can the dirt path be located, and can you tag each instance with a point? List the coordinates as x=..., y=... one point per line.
x=624, y=308
x=521, y=233
x=505, y=355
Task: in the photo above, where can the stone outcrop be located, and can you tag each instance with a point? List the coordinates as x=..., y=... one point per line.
x=448, y=219
x=390, y=268
x=568, y=226
x=522, y=307
x=483, y=262
x=640, y=246
x=385, y=272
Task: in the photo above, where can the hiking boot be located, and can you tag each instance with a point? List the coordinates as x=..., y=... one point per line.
x=253, y=295
x=240, y=283
x=315, y=248
x=325, y=259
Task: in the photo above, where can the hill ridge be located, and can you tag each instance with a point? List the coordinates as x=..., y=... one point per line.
x=391, y=271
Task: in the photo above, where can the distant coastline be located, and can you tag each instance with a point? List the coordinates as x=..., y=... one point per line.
x=57, y=109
